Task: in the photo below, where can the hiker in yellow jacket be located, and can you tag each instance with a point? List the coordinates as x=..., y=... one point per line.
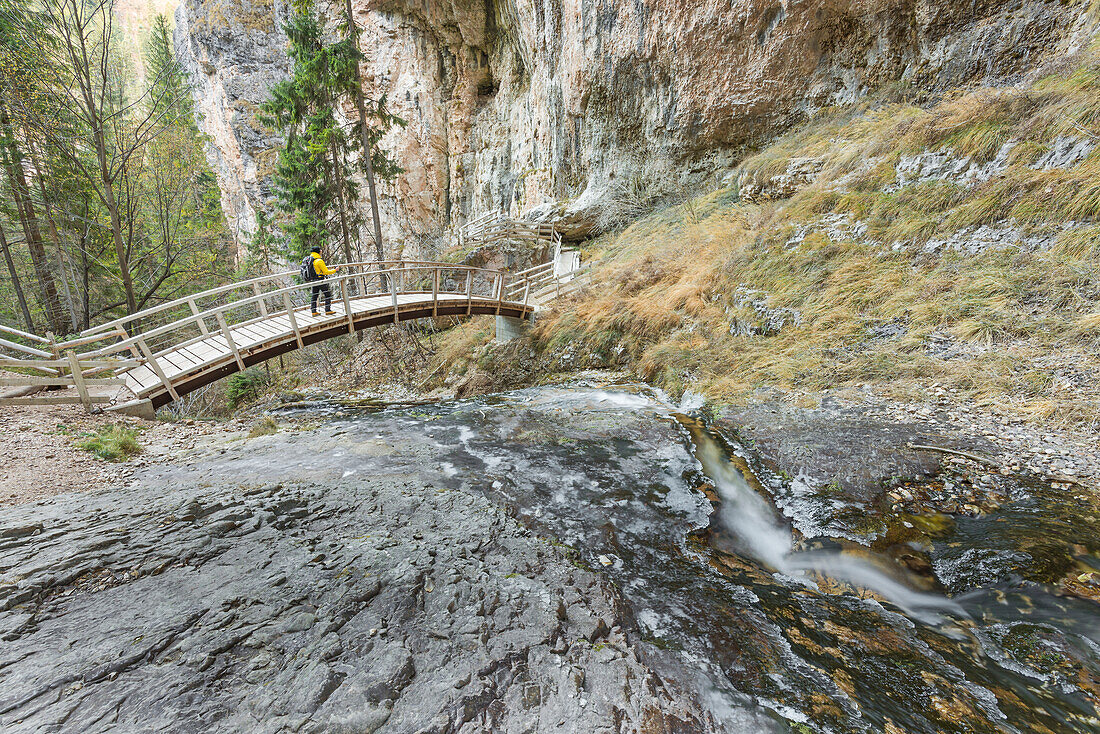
x=321, y=270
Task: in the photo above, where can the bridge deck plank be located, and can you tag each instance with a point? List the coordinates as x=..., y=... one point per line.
x=207, y=352
x=270, y=330
x=249, y=336
x=138, y=379
x=190, y=354
x=175, y=362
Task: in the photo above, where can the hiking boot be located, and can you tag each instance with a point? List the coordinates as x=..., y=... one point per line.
x=330, y=313
x=315, y=314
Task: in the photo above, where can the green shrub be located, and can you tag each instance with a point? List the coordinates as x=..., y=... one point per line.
x=111, y=443
x=245, y=386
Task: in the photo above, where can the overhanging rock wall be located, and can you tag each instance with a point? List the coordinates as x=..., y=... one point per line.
x=578, y=110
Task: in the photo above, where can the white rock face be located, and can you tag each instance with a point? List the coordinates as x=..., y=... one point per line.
x=235, y=54
x=945, y=165
x=1065, y=152
x=566, y=109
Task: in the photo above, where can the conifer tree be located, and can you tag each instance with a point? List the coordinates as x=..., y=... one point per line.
x=170, y=86
x=312, y=179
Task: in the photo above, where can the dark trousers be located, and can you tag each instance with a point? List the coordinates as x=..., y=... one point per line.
x=317, y=291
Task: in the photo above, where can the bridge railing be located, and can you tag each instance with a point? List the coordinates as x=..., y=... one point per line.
x=495, y=227
x=145, y=338
x=272, y=296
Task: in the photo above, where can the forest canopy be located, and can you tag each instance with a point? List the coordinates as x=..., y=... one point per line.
x=108, y=204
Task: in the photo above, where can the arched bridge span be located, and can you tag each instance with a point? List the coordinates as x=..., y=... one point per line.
x=164, y=352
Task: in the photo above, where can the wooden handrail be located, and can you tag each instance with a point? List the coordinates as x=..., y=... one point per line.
x=446, y=284
x=24, y=349
x=145, y=313
x=494, y=226
x=214, y=312
x=86, y=363
x=542, y=266
x=24, y=334
x=403, y=285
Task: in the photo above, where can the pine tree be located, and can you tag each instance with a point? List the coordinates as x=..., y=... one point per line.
x=170, y=87
x=311, y=178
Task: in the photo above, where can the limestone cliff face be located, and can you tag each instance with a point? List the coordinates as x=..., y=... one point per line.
x=235, y=51
x=573, y=109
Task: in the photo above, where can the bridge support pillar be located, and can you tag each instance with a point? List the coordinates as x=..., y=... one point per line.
x=509, y=327
x=137, y=408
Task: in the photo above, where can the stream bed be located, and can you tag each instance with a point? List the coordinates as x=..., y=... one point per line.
x=652, y=539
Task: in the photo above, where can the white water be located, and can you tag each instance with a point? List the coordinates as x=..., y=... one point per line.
x=759, y=534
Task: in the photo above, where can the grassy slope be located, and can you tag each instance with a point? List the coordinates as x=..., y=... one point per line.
x=1024, y=326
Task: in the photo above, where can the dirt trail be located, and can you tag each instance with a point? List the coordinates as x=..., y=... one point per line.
x=42, y=458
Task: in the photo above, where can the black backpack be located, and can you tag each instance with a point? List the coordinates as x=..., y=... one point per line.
x=306, y=271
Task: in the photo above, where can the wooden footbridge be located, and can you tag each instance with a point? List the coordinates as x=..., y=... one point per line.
x=164, y=352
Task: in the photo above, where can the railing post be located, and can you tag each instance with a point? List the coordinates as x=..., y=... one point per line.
x=263, y=306
x=155, y=366
x=393, y=294
x=293, y=321
x=347, y=303
x=469, y=291
x=195, y=312
x=229, y=339
x=435, y=292
x=133, y=348
x=500, y=291
x=78, y=380
x=53, y=345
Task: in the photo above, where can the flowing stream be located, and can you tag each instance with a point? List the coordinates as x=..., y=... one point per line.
x=770, y=629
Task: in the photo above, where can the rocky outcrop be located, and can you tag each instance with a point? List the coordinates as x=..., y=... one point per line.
x=335, y=599
x=234, y=53
x=568, y=111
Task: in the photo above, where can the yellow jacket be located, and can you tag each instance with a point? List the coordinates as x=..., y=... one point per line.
x=319, y=266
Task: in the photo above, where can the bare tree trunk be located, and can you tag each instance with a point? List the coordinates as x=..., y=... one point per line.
x=356, y=233
x=339, y=173
x=364, y=133
x=78, y=30
x=22, y=299
x=59, y=256
x=29, y=220
x=85, y=270
x=116, y=222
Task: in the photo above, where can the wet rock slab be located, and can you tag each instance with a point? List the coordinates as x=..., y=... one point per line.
x=828, y=468
x=842, y=445
x=234, y=595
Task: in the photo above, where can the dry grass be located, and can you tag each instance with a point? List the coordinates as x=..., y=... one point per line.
x=457, y=348
x=665, y=291
x=668, y=294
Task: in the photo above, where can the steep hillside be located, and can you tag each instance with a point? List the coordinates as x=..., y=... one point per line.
x=958, y=243
x=585, y=112
x=946, y=258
